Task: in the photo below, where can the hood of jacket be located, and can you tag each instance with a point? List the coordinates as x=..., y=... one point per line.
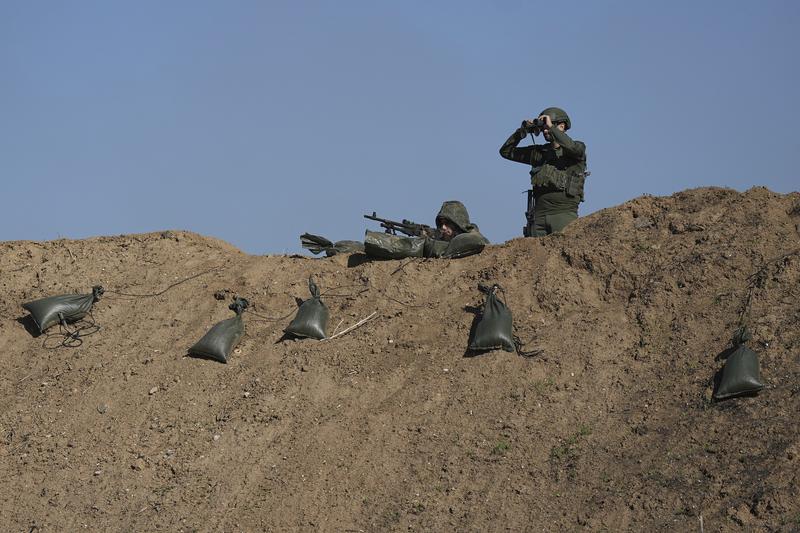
x=454, y=211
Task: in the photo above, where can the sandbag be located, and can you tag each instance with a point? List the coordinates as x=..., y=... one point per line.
x=69, y=307
x=495, y=328
x=434, y=248
x=311, y=319
x=317, y=244
x=465, y=244
x=388, y=246
x=740, y=375
x=345, y=247
x=220, y=340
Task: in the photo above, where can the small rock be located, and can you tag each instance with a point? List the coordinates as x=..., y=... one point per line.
x=139, y=464
x=98, y=472
x=153, y=391
x=246, y=394
x=102, y=408
x=216, y=438
x=219, y=295
x=677, y=228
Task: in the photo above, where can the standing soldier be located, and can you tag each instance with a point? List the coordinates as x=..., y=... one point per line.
x=558, y=171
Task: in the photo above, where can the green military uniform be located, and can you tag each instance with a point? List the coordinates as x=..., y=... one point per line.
x=557, y=176
x=468, y=241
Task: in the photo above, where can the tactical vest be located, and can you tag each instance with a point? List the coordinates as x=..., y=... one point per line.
x=559, y=173
x=551, y=179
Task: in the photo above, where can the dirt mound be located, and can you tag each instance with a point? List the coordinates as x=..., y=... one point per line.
x=390, y=426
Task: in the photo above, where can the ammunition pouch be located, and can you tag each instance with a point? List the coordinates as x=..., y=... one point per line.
x=551, y=178
x=575, y=185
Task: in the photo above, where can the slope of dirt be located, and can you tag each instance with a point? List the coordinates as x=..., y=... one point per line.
x=390, y=427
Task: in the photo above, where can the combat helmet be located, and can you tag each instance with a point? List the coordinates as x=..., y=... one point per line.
x=557, y=115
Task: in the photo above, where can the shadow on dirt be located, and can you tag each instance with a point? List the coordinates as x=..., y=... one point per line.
x=478, y=315
x=30, y=325
x=358, y=259
x=203, y=357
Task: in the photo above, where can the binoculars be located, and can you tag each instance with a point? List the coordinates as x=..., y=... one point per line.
x=533, y=126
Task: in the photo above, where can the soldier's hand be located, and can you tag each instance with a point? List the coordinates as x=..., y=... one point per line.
x=547, y=120
x=528, y=125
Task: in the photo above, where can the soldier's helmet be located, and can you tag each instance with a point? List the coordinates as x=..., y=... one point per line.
x=557, y=115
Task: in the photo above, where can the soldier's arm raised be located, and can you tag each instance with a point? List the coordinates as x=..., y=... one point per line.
x=525, y=154
x=574, y=148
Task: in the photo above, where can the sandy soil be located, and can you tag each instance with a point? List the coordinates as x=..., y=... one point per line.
x=391, y=427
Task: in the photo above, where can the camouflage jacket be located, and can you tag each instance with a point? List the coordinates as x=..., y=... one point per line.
x=561, y=169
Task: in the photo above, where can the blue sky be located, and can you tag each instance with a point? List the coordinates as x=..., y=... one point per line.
x=256, y=121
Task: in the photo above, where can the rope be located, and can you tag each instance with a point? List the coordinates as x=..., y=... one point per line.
x=71, y=339
x=403, y=265
x=270, y=319
x=327, y=292
x=756, y=279
x=159, y=293
x=518, y=345
x=353, y=295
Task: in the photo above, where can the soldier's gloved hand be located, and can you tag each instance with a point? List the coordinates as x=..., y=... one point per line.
x=527, y=126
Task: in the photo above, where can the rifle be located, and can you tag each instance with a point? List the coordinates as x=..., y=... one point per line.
x=406, y=227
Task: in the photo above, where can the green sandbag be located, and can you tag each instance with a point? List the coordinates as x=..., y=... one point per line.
x=740, y=375
x=495, y=328
x=461, y=245
x=317, y=244
x=69, y=307
x=388, y=246
x=220, y=340
x=311, y=319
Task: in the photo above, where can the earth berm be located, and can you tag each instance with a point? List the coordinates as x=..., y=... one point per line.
x=390, y=427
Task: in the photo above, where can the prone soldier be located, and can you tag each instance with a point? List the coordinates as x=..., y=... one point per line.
x=454, y=236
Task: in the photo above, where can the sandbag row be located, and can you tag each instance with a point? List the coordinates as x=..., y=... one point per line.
x=492, y=330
